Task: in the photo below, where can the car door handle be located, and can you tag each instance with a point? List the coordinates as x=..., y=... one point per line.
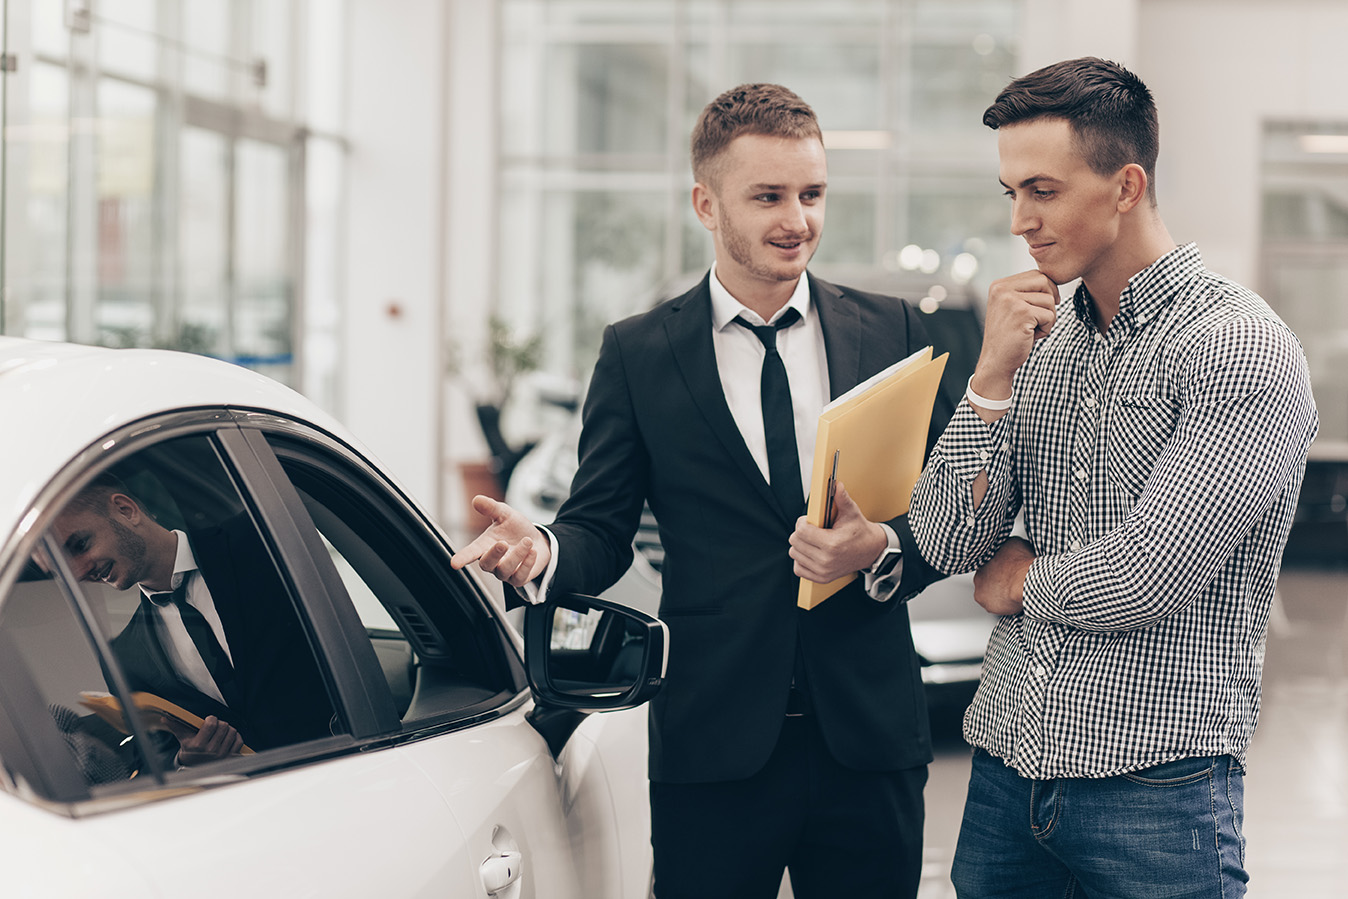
x=501, y=870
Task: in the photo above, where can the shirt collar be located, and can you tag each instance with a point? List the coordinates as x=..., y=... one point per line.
x=724, y=307
x=1150, y=290
x=183, y=563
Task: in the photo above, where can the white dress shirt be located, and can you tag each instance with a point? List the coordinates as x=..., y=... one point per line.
x=739, y=362
x=173, y=636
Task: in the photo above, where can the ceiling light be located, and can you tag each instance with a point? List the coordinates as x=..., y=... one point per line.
x=1323, y=143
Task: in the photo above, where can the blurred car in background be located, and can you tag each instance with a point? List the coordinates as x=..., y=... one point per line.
x=1319, y=536
x=950, y=630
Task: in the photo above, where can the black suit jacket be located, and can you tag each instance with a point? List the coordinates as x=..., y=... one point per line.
x=282, y=697
x=657, y=429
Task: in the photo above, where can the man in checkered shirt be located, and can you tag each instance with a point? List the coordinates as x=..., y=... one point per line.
x=1152, y=429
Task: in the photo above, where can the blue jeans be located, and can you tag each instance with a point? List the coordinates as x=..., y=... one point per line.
x=1173, y=830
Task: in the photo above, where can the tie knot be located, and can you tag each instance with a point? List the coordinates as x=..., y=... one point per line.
x=163, y=599
x=767, y=334
x=168, y=597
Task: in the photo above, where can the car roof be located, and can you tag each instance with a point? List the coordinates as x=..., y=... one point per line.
x=57, y=399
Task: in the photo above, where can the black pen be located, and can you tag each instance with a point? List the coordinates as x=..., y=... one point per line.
x=828, y=495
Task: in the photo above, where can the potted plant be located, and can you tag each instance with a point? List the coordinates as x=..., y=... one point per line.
x=507, y=358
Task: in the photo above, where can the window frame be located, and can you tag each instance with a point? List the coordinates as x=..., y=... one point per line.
x=419, y=537
x=34, y=762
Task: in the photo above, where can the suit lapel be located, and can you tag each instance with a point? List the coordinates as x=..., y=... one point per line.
x=219, y=561
x=841, y=323
x=688, y=328
x=142, y=655
x=148, y=669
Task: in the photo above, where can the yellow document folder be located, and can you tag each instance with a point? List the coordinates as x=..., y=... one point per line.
x=879, y=429
x=157, y=714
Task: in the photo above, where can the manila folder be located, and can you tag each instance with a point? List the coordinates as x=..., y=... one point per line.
x=880, y=430
x=157, y=714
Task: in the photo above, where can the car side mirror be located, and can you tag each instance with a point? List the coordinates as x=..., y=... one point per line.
x=587, y=654
x=584, y=654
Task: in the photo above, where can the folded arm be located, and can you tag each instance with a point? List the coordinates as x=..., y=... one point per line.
x=1239, y=446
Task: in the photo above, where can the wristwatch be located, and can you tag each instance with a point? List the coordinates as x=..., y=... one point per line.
x=887, y=562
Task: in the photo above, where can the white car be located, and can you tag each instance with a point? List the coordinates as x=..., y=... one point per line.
x=447, y=759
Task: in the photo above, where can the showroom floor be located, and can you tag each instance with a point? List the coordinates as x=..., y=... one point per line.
x=1296, y=789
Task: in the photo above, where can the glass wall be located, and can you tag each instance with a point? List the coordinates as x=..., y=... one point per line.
x=157, y=186
x=1304, y=234
x=598, y=98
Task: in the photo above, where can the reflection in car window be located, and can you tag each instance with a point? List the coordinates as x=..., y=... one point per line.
x=440, y=651
x=200, y=624
x=61, y=666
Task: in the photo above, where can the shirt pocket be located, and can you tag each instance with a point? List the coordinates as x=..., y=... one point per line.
x=1140, y=425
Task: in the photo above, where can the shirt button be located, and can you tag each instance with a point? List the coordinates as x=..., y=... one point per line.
x=1074, y=546
x=1080, y=474
x=1089, y=402
x=1006, y=447
x=969, y=521
x=1040, y=671
x=983, y=454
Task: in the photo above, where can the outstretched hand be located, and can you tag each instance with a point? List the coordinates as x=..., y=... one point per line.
x=851, y=545
x=511, y=548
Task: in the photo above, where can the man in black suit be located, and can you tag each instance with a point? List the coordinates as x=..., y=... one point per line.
x=783, y=738
x=215, y=631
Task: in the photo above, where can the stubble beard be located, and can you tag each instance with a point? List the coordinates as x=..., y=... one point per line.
x=131, y=547
x=741, y=251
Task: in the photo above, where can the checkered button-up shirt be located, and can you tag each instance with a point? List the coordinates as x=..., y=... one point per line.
x=1157, y=466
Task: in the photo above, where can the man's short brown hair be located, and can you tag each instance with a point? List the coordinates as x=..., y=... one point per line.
x=767, y=109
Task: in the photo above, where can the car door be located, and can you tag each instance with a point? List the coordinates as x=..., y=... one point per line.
x=460, y=699
x=89, y=811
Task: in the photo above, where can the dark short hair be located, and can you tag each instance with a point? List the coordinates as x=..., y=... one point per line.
x=1109, y=109
x=94, y=496
x=767, y=109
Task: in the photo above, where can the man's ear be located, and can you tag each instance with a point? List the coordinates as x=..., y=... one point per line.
x=124, y=507
x=1132, y=186
x=704, y=204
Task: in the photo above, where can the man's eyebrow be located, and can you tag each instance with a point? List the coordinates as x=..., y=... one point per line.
x=1030, y=181
x=760, y=187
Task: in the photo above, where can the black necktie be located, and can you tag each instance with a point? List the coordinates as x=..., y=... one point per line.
x=779, y=425
x=203, y=637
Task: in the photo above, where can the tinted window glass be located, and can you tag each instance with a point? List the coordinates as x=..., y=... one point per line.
x=55, y=657
x=180, y=587
x=439, y=647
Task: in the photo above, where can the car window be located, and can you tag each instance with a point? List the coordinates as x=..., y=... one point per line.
x=220, y=636
x=49, y=655
x=441, y=650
